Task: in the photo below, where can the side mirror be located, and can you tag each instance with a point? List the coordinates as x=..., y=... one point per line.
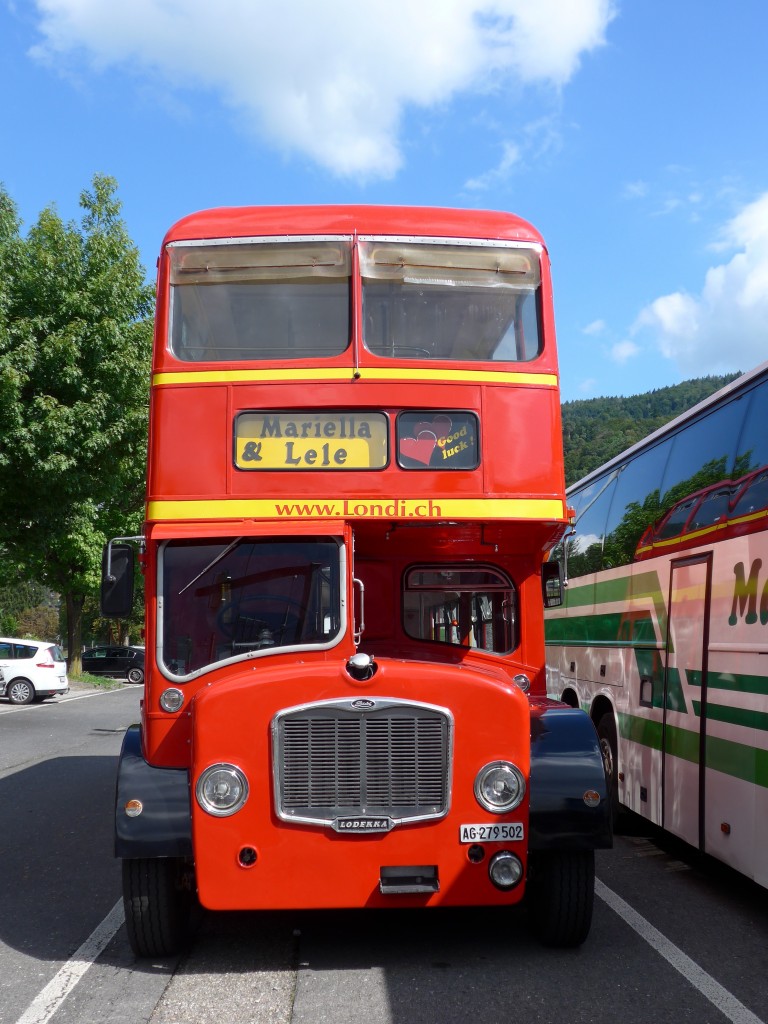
x=551, y=584
x=117, y=581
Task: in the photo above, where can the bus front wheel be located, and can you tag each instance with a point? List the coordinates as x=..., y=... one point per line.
x=561, y=892
x=157, y=897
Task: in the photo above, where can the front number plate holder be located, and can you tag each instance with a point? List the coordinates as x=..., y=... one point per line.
x=493, y=832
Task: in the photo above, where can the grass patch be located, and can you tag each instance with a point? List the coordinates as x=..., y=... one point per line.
x=102, y=682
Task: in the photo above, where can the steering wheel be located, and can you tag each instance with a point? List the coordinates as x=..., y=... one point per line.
x=286, y=613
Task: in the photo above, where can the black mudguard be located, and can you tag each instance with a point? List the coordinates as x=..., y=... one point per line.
x=565, y=765
x=164, y=827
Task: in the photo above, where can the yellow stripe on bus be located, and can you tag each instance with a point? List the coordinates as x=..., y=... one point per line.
x=338, y=373
x=424, y=509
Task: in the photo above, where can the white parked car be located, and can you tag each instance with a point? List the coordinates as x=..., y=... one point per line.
x=31, y=670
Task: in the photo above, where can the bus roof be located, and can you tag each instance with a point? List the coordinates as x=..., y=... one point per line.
x=741, y=383
x=254, y=221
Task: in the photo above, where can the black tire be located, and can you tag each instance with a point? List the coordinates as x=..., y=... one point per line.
x=136, y=675
x=609, y=748
x=561, y=893
x=157, y=897
x=20, y=691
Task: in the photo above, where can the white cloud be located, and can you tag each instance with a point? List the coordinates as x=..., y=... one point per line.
x=623, y=351
x=596, y=327
x=537, y=139
x=635, y=190
x=509, y=157
x=329, y=80
x=725, y=326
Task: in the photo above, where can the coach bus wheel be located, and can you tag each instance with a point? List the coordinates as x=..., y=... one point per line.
x=606, y=734
x=560, y=895
x=157, y=896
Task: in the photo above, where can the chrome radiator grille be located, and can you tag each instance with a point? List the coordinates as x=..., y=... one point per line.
x=334, y=759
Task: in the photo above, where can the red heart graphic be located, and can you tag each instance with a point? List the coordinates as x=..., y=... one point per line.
x=440, y=426
x=419, y=449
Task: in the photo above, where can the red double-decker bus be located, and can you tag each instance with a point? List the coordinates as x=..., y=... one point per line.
x=355, y=476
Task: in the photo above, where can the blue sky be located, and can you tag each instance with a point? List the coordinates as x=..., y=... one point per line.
x=632, y=133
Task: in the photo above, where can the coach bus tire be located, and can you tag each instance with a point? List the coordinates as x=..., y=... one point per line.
x=157, y=898
x=609, y=748
x=560, y=896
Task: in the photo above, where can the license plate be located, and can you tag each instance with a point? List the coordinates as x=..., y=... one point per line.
x=492, y=833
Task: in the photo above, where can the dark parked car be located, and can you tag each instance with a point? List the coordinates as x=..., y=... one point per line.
x=120, y=662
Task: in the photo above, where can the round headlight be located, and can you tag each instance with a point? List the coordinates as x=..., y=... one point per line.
x=505, y=870
x=499, y=787
x=222, y=789
x=522, y=681
x=171, y=699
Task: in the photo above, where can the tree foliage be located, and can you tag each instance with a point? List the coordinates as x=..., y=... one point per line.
x=75, y=341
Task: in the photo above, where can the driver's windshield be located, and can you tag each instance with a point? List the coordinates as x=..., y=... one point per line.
x=225, y=598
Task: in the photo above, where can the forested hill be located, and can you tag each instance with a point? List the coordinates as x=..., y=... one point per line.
x=596, y=429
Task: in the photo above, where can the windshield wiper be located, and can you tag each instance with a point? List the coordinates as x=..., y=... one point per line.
x=218, y=558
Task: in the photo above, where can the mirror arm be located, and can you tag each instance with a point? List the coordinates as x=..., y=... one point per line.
x=116, y=540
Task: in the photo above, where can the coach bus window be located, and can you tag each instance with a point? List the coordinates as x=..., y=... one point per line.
x=585, y=550
x=712, y=509
x=469, y=607
x=752, y=452
x=222, y=598
x=635, y=505
x=251, y=301
x=674, y=524
x=450, y=302
x=753, y=497
x=702, y=454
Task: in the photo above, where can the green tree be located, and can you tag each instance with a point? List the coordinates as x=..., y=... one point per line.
x=75, y=340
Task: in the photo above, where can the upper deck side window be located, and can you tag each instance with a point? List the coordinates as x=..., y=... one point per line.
x=260, y=301
x=450, y=301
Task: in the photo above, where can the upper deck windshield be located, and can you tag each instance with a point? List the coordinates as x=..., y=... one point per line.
x=255, y=300
x=470, y=303
x=260, y=301
x=224, y=598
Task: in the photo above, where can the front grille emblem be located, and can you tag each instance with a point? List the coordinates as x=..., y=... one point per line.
x=363, y=823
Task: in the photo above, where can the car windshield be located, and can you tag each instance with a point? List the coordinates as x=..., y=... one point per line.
x=224, y=599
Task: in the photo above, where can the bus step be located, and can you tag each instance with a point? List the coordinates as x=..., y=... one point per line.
x=408, y=879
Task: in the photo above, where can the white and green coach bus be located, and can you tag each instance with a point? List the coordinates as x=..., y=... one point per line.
x=663, y=637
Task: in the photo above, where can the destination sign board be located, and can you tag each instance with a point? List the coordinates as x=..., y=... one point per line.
x=310, y=440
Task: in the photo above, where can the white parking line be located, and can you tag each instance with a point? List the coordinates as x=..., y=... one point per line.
x=62, y=700
x=712, y=990
x=47, y=1002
